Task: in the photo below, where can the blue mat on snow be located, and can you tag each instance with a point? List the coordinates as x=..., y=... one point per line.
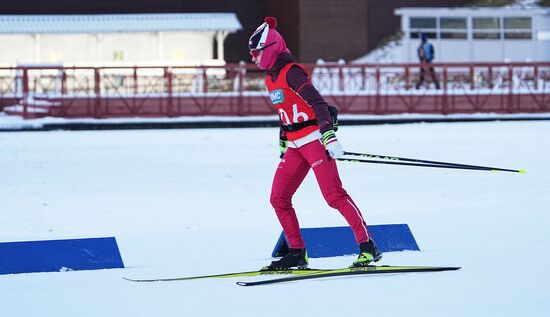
x=337, y=241
x=59, y=255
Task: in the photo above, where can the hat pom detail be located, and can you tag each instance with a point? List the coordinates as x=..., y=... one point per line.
x=271, y=21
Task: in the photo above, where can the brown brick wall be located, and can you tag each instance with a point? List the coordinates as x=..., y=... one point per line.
x=288, y=17
x=332, y=29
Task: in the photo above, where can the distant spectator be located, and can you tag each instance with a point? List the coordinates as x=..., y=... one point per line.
x=426, y=55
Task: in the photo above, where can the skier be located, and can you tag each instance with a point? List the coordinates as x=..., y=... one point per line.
x=307, y=141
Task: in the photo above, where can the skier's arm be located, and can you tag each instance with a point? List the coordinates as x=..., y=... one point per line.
x=299, y=81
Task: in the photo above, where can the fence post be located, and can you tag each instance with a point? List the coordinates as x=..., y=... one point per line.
x=204, y=80
x=136, y=90
x=25, y=80
x=407, y=78
x=364, y=81
x=377, y=103
x=97, y=91
x=510, y=89
x=63, y=82
x=490, y=75
x=241, y=70
x=170, y=100
x=63, y=91
x=536, y=77
x=445, y=106
x=472, y=79
x=341, y=78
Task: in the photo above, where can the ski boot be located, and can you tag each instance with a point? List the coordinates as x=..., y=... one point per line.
x=295, y=258
x=368, y=253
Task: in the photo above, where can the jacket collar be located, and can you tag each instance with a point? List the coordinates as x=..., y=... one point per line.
x=282, y=60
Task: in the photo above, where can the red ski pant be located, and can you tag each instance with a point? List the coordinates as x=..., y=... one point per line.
x=290, y=173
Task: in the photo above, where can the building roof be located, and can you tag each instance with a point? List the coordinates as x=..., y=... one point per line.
x=472, y=11
x=113, y=23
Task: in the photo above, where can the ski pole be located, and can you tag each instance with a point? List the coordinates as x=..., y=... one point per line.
x=423, y=163
x=404, y=159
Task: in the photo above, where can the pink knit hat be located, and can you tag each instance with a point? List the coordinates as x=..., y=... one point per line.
x=266, y=38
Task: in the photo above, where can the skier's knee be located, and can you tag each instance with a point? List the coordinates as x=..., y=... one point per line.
x=278, y=201
x=336, y=204
x=335, y=201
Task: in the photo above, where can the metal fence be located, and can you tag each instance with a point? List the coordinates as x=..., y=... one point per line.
x=239, y=90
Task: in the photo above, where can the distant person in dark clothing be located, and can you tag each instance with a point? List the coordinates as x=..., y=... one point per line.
x=426, y=55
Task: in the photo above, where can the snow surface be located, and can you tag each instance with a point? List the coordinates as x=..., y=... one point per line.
x=187, y=202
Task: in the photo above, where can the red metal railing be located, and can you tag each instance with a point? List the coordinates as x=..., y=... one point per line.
x=238, y=90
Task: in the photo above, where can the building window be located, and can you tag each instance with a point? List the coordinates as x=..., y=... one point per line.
x=453, y=28
x=453, y=23
x=517, y=23
x=484, y=28
x=487, y=28
x=430, y=35
x=518, y=28
x=424, y=25
x=487, y=23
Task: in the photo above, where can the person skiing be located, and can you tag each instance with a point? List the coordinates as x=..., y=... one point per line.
x=307, y=141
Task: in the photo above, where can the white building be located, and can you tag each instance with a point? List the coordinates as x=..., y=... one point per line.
x=106, y=39
x=478, y=34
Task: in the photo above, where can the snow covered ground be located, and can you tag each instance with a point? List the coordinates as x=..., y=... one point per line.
x=187, y=202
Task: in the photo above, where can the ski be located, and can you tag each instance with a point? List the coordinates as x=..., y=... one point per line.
x=229, y=275
x=371, y=269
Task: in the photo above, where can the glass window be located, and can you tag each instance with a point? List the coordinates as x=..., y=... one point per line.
x=517, y=28
x=454, y=35
x=452, y=28
x=517, y=23
x=486, y=23
x=517, y=35
x=486, y=35
x=430, y=35
x=423, y=23
x=452, y=23
x=487, y=28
